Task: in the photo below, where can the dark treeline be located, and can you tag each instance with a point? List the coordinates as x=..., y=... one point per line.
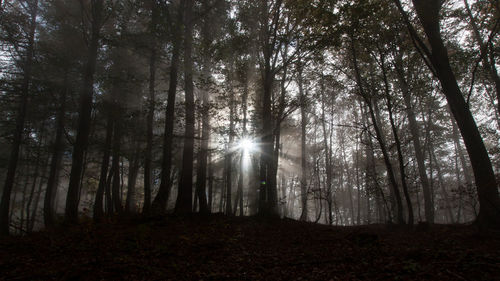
x=335, y=112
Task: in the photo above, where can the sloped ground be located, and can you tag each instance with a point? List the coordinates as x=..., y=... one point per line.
x=220, y=248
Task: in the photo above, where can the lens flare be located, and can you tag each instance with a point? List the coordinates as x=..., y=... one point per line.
x=247, y=145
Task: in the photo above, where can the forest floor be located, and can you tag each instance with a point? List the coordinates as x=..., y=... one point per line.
x=220, y=248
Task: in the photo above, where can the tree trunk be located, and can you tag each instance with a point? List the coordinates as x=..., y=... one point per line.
x=401, y=163
x=134, y=165
x=32, y=222
x=380, y=139
x=98, y=205
x=268, y=192
x=443, y=189
x=115, y=187
x=107, y=189
x=201, y=175
x=303, y=155
x=160, y=202
x=55, y=162
x=210, y=182
x=358, y=183
x=84, y=116
x=398, y=143
x=148, y=157
x=419, y=154
x=185, y=194
x=228, y=178
x=20, y=120
x=35, y=176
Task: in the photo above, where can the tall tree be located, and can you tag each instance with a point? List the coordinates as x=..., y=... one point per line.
x=303, y=152
x=148, y=157
x=184, y=197
x=85, y=110
x=379, y=136
x=55, y=162
x=159, y=204
x=415, y=132
x=32, y=7
x=401, y=162
x=98, y=203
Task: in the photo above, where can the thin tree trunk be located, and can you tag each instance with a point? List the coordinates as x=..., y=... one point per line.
x=108, y=195
x=159, y=204
x=398, y=143
x=42, y=181
x=84, y=116
x=380, y=139
x=303, y=158
x=443, y=189
x=115, y=187
x=401, y=164
x=55, y=163
x=35, y=176
x=98, y=205
x=23, y=201
x=358, y=183
x=148, y=157
x=134, y=165
x=463, y=162
x=387, y=161
x=228, y=178
x=210, y=182
x=185, y=195
x=201, y=175
x=419, y=154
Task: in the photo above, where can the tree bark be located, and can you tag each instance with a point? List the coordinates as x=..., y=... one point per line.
x=419, y=154
x=115, y=186
x=148, y=157
x=210, y=182
x=303, y=155
x=32, y=222
x=55, y=162
x=380, y=139
x=228, y=158
x=185, y=195
x=134, y=165
x=160, y=202
x=401, y=163
x=398, y=142
x=84, y=116
x=98, y=202
x=20, y=120
x=34, y=181
x=201, y=175
x=268, y=192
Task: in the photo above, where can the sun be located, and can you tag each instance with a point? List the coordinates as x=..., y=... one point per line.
x=246, y=145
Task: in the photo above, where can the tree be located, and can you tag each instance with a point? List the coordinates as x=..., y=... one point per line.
x=84, y=115
x=428, y=12
x=148, y=157
x=379, y=137
x=20, y=119
x=403, y=84
x=184, y=198
x=160, y=202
